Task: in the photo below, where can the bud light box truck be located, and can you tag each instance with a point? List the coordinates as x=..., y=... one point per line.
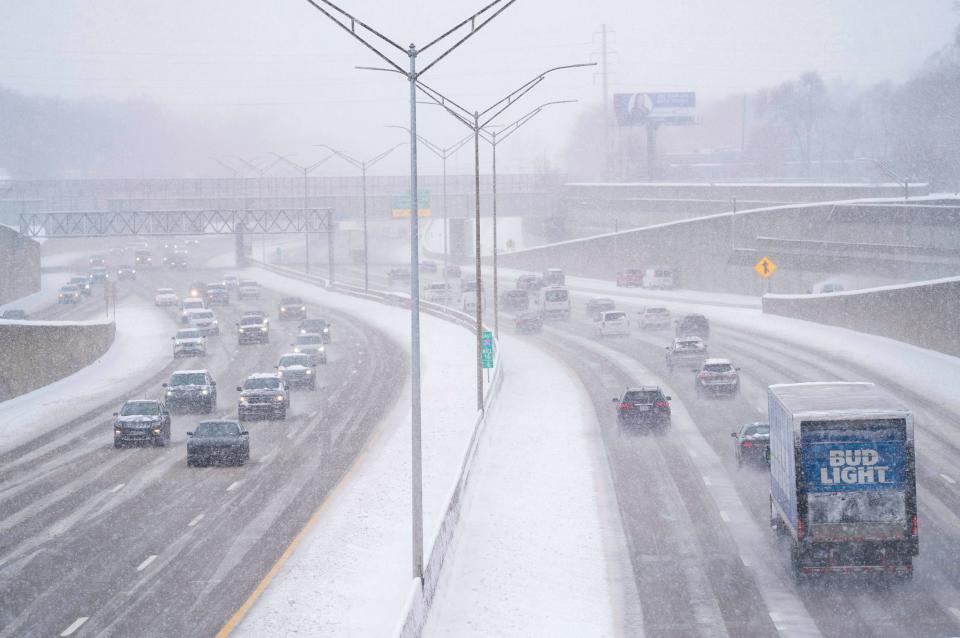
x=842, y=478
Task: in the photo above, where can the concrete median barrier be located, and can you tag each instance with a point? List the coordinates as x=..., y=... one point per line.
x=36, y=353
x=925, y=314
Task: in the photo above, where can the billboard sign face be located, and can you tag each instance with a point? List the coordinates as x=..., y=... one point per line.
x=402, y=205
x=636, y=109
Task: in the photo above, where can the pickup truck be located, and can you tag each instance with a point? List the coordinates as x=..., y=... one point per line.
x=843, y=478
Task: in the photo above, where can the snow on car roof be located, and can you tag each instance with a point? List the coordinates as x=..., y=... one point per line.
x=717, y=362
x=263, y=375
x=204, y=371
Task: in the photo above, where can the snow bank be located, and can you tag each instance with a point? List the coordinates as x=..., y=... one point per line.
x=540, y=550
x=350, y=574
x=140, y=348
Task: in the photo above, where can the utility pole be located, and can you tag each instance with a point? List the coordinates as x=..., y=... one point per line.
x=606, y=101
x=306, y=172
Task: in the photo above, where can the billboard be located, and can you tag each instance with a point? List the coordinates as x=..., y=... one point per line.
x=401, y=205
x=636, y=109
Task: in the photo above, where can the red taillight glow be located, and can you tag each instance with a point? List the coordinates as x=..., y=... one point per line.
x=747, y=444
x=623, y=406
x=799, y=528
x=913, y=527
x=662, y=404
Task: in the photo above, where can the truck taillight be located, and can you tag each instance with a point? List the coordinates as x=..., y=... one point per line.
x=799, y=528
x=913, y=526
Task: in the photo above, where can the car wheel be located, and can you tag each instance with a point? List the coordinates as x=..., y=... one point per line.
x=116, y=445
x=190, y=462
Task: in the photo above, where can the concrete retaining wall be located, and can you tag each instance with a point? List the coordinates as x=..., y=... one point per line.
x=926, y=314
x=34, y=354
x=19, y=265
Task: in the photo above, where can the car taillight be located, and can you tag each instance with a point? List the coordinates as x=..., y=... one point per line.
x=913, y=526
x=799, y=528
x=623, y=406
x=662, y=404
x=747, y=444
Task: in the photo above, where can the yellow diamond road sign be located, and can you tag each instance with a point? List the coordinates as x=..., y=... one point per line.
x=765, y=267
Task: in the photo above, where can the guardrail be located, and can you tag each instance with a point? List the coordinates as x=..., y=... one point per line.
x=422, y=591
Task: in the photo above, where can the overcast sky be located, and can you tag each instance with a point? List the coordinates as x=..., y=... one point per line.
x=283, y=72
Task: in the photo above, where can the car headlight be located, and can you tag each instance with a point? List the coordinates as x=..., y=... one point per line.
x=279, y=397
x=309, y=371
x=243, y=400
x=156, y=430
x=302, y=308
x=169, y=393
x=321, y=348
x=205, y=392
x=296, y=349
x=282, y=309
x=326, y=330
x=302, y=331
x=263, y=329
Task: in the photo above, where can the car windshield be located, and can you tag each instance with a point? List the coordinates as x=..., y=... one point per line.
x=309, y=340
x=657, y=311
x=193, y=303
x=694, y=321
x=215, y=288
x=251, y=321
x=262, y=383
x=556, y=295
x=313, y=325
x=78, y=280
x=203, y=314
x=642, y=396
x=140, y=408
x=217, y=429
x=291, y=301
x=718, y=367
x=165, y=291
x=248, y=283
x=614, y=316
x=188, y=334
x=69, y=289
x=188, y=378
x=294, y=360
x=756, y=430
x=689, y=345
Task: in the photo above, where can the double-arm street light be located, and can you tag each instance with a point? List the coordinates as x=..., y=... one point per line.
x=306, y=170
x=443, y=154
x=369, y=38
x=363, y=166
x=494, y=137
x=476, y=121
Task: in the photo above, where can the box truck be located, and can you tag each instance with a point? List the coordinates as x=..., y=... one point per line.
x=842, y=478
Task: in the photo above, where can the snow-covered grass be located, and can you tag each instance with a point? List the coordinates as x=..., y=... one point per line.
x=350, y=574
x=540, y=550
x=141, y=346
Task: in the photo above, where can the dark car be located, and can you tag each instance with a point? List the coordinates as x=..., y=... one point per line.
x=528, y=322
x=529, y=282
x=428, y=265
x=693, y=326
x=15, y=313
x=178, y=260
x=298, y=370
x=646, y=405
x=217, y=295
x=83, y=283
x=311, y=344
x=223, y=441
x=143, y=258
x=141, y=421
x=752, y=443
x=126, y=272
x=514, y=300
x=316, y=326
x=292, y=308
x=191, y=391
x=553, y=277
x=599, y=305
x=253, y=329
x=97, y=261
x=717, y=377
x=398, y=276
x=263, y=395
x=68, y=294
x=98, y=275
x=686, y=352
x=630, y=278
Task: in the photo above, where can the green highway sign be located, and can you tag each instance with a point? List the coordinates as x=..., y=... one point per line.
x=486, y=350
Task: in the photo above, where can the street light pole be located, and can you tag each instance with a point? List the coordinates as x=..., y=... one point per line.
x=362, y=32
x=443, y=154
x=363, y=166
x=506, y=132
x=306, y=170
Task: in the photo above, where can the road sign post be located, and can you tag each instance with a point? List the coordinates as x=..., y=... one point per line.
x=486, y=352
x=765, y=268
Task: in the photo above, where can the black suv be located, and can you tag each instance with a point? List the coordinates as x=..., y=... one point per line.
x=142, y=421
x=316, y=326
x=191, y=391
x=693, y=326
x=646, y=405
x=751, y=443
x=292, y=308
x=216, y=294
x=263, y=395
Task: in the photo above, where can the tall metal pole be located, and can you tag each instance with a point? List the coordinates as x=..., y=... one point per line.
x=606, y=105
x=416, y=460
x=476, y=249
x=496, y=301
x=306, y=225
x=363, y=185
x=446, y=225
